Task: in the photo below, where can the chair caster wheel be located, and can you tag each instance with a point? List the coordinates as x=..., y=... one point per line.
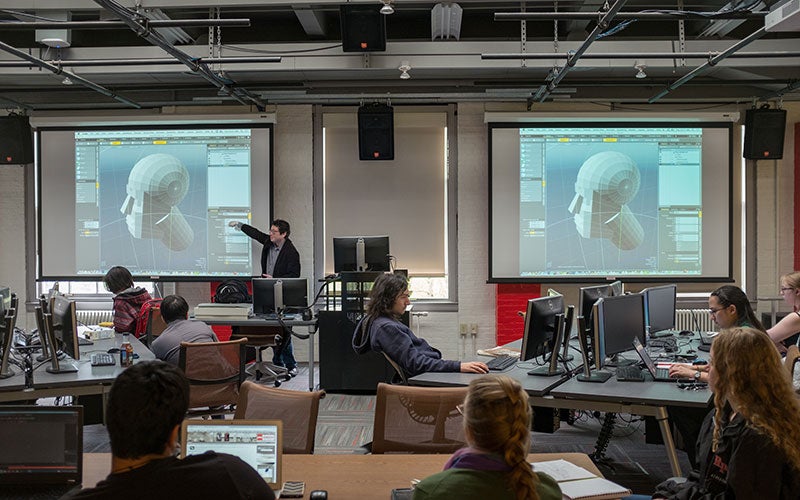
x=277, y=383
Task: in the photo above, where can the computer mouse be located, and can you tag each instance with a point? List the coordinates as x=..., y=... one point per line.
x=113, y=350
x=319, y=495
x=686, y=332
x=690, y=352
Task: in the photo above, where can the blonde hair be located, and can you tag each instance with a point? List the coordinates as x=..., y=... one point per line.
x=497, y=418
x=750, y=375
x=793, y=280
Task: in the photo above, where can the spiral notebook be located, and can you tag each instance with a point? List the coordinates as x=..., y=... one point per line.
x=577, y=483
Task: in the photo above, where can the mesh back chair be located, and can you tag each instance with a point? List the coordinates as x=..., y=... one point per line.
x=790, y=362
x=215, y=371
x=297, y=410
x=261, y=338
x=400, y=374
x=418, y=419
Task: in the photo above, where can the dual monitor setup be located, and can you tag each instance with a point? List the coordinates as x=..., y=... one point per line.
x=608, y=322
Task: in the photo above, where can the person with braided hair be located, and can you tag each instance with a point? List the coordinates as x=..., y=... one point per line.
x=497, y=420
x=747, y=447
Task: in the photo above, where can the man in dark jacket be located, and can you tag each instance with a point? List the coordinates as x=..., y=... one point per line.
x=279, y=259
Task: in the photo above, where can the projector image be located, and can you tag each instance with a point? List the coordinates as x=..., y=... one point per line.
x=56, y=43
x=784, y=18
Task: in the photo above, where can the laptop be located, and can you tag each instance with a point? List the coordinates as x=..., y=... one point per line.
x=41, y=450
x=659, y=374
x=257, y=442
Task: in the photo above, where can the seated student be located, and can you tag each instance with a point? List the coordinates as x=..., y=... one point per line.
x=747, y=447
x=128, y=299
x=790, y=324
x=497, y=419
x=382, y=331
x=146, y=405
x=175, y=312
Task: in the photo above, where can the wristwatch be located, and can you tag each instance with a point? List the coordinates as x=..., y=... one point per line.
x=697, y=375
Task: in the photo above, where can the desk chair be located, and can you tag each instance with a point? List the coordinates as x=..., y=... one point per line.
x=400, y=374
x=261, y=338
x=790, y=362
x=155, y=326
x=215, y=371
x=418, y=419
x=297, y=409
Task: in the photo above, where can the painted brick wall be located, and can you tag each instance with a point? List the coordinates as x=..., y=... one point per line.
x=510, y=299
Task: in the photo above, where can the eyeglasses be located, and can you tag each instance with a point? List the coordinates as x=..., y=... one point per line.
x=274, y=231
x=460, y=408
x=715, y=311
x=784, y=288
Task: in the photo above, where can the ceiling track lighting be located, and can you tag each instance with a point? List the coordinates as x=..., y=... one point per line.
x=404, y=67
x=387, y=7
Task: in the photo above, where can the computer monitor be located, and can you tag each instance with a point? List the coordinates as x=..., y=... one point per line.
x=588, y=374
x=617, y=287
x=279, y=295
x=659, y=303
x=589, y=295
x=361, y=253
x=65, y=325
x=5, y=303
x=540, y=323
x=6, y=340
x=618, y=320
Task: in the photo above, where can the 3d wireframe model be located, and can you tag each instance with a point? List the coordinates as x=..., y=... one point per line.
x=156, y=184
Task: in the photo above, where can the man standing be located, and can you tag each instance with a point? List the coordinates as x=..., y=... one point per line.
x=175, y=312
x=279, y=259
x=146, y=406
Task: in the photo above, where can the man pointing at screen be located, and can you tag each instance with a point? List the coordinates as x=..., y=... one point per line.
x=279, y=259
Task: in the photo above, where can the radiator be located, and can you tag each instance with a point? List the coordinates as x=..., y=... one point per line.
x=684, y=321
x=89, y=317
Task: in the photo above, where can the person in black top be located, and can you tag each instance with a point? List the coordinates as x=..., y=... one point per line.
x=146, y=406
x=279, y=259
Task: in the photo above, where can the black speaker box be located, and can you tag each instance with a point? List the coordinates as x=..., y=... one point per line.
x=375, y=132
x=16, y=140
x=763, y=134
x=363, y=28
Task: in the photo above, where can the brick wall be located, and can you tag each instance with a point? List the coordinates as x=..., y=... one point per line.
x=510, y=299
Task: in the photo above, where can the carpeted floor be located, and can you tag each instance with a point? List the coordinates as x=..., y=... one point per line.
x=345, y=424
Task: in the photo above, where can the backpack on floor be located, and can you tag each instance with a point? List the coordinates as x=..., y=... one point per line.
x=232, y=292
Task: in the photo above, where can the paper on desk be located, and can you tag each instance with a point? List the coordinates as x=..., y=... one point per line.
x=562, y=470
x=499, y=351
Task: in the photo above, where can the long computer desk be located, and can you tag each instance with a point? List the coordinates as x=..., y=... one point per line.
x=638, y=398
x=261, y=322
x=365, y=477
x=87, y=380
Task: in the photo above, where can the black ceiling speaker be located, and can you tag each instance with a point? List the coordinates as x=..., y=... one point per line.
x=363, y=28
x=763, y=134
x=16, y=140
x=375, y=132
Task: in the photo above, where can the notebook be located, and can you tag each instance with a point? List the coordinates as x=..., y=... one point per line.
x=577, y=483
x=659, y=374
x=41, y=450
x=257, y=442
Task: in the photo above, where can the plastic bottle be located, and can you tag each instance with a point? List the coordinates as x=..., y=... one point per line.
x=125, y=351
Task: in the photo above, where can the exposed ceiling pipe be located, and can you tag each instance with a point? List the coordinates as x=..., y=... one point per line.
x=104, y=25
x=147, y=61
x=710, y=63
x=602, y=24
x=779, y=93
x=72, y=76
x=643, y=55
x=641, y=16
x=139, y=25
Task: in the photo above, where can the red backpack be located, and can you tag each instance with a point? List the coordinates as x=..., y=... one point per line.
x=143, y=317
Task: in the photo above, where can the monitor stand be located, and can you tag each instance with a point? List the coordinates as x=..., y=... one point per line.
x=594, y=376
x=546, y=371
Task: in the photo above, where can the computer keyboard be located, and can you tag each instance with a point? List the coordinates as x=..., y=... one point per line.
x=630, y=373
x=103, y=359
x=501, y=362
x=285, y=317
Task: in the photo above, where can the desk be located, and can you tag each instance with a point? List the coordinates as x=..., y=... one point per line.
x=365, y=477
x=256, y=322
x=87, y=380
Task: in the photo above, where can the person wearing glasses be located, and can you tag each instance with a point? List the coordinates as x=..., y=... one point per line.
x=747, y=445
x=381, y=331
x=790, y=324
x=497, y=419
x=128, y=298
x=279, y=259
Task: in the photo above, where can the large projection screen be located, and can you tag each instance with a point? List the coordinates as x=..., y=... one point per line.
x=587, y=202
x=155, y=199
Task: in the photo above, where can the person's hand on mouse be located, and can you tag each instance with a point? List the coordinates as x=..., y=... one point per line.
x=474, y=367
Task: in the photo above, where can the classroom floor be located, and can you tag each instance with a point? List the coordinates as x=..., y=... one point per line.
x=345, y=424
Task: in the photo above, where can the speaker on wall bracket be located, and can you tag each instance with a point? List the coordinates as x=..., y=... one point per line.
x=363, y=28
x=16, y=140
x=763, y=134
x=375, y=132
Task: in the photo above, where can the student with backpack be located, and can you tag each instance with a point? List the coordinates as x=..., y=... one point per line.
x=128, y=298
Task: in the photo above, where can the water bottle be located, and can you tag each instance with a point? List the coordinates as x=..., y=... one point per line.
x=125, y=351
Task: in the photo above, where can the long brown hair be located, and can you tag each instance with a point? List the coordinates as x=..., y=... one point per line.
x=384, y=293
x=497, y=418
x=750, y=376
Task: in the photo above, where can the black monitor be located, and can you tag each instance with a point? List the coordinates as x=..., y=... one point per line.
x=279, y=295
x=9, y=319
x=590, y=295
x=540, y=323
x=361, y=253
x=618, y=320
x=5, y=303
x=659, y=302
x=65, y=325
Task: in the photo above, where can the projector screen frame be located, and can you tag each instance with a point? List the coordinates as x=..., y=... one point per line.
x=600, y=122
x=201, y=122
